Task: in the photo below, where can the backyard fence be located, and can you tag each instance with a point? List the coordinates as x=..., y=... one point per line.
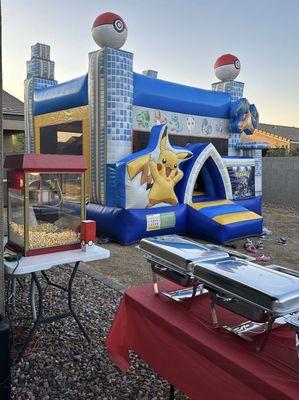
x=281, y=181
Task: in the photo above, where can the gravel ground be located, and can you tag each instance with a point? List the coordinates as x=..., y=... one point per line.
x=62, y=365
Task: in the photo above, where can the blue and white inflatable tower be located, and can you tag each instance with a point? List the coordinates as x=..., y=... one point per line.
x=110, y=82
x=40, y=74
x=227, y=68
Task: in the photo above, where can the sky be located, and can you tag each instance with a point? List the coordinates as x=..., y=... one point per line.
x=181, y=39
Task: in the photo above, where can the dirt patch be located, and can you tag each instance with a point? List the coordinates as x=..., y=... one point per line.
x=128, y=267
x=125, y=266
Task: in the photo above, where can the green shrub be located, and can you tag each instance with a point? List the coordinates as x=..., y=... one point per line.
x=283, y=152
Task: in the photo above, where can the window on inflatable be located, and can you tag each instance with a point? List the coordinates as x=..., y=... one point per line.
x=62, y=138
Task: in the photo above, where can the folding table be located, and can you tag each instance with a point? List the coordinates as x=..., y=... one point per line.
x=37, y=267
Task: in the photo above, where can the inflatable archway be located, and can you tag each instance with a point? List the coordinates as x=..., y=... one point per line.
x=215, y=174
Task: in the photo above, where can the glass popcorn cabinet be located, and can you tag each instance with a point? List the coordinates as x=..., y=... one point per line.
x=46, y=202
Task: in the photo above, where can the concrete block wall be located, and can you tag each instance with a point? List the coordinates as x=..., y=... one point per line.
x=281, y=181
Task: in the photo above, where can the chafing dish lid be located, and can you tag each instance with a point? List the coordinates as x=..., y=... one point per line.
x=274, y=290
x=178, y=250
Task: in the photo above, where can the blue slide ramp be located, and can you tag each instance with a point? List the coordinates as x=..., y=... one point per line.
x=222, y=221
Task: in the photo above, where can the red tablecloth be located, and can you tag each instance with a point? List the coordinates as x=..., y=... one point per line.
x=183, y=347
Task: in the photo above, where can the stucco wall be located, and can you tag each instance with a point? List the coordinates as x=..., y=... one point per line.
x=281, y=181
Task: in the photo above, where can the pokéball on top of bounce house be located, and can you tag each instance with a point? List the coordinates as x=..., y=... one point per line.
x=227, y=67
x=109, y=30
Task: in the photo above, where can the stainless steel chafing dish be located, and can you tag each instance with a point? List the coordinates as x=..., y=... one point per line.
x=174, y=257
x=268, y=297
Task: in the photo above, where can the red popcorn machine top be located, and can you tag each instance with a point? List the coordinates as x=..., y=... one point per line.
x=46, y=202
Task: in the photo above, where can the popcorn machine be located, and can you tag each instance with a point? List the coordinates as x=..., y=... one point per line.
x=46, y=202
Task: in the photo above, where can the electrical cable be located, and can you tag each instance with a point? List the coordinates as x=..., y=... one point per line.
x=10, y=258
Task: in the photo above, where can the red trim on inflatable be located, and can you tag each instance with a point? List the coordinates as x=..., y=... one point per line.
x=107, y=18
x=226, y=59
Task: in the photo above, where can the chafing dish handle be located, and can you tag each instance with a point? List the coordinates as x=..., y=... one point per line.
x=225, y=298
x=159, y=268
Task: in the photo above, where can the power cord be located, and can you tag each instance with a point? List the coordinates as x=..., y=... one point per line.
x=10, y=257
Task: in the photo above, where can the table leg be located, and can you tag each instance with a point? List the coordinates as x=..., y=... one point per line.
x=70, y=288
x=32, y=299
x=13, y=290
x=171, y=392
x=39, y=316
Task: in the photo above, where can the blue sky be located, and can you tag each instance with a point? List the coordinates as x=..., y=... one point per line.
x=179, y=38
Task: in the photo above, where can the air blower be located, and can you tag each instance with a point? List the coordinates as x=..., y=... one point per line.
x=5, y=377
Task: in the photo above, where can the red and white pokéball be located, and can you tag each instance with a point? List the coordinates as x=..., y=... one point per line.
x=227, y=67
x=109, y=30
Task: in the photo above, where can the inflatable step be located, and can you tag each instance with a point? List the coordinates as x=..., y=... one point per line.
x=222, y=221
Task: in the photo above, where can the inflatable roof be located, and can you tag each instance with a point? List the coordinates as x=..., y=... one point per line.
x=148, y=92
x=65, y=95
x=169, y=96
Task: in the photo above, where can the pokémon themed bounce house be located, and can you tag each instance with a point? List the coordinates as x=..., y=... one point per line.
x=163, y=157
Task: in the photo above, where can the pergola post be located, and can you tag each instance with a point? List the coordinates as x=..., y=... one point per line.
x=2, y=295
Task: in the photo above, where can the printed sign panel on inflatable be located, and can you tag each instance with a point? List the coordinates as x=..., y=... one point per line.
x=242, y=179
x=180, y=124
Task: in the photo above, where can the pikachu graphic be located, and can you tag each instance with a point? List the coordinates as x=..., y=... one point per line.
x=165, y=174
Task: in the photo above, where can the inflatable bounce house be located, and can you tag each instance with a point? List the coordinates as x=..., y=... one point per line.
x=164, y=157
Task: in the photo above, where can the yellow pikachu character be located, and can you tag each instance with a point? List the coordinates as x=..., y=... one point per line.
x=165, y=175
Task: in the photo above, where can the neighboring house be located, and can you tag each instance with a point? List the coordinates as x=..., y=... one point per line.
x=13, y=124
x=274, y=141
x=288, y=132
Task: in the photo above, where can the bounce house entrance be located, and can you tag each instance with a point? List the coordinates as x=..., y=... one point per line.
x=208, y=185
x=199, y=191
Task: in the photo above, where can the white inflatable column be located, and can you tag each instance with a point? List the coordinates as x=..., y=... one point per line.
x=235, y=89
x=110, y=83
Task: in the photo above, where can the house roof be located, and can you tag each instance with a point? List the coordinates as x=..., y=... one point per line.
x=11, y=105
x=274, y=141
x=289, y=132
